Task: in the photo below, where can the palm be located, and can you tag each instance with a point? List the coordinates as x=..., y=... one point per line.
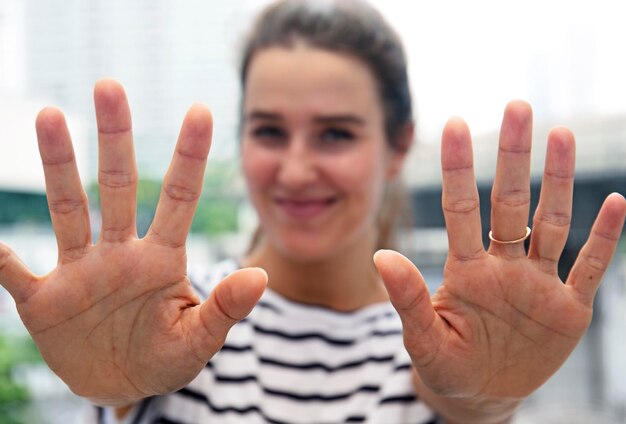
x=502, y=322
x=510, y=323
x=118, y=320
x=112, y=323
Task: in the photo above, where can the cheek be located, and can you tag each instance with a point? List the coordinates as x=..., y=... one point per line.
x=363, y=176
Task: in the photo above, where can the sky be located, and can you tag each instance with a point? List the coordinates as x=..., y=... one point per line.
x=469, y=58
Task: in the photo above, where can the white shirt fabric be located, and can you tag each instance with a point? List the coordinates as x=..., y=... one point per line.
x=294, y=363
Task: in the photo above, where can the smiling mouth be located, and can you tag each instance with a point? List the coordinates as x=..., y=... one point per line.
x=307, y=208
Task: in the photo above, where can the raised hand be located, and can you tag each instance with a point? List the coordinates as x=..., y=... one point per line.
x=118, y=320
x=502, y=322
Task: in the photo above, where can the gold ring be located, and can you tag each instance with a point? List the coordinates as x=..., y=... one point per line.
x=491, y=237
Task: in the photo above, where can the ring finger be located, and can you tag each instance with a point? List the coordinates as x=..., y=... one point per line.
x=510, y=196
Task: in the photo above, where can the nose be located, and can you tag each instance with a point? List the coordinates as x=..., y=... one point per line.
x=297, y=166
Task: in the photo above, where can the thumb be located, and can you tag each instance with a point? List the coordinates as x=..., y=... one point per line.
x=230, y=302
x=424, y=330
x=14, y=276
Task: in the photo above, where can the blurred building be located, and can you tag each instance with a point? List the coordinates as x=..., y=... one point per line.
x=22, y=186
x=600, y=152
x=167, y=54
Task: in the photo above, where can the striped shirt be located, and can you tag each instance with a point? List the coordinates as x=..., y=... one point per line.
x=294, y=363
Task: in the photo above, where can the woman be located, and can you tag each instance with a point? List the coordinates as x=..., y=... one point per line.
x=326, y=125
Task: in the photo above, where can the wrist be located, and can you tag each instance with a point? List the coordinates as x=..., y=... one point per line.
x=480, y=411
x=468, y=410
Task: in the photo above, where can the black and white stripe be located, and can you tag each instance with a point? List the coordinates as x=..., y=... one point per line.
x=299, y=364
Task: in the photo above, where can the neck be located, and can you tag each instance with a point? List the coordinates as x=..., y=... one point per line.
x=345, y=281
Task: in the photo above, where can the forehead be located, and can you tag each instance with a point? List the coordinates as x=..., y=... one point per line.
x=303, y=79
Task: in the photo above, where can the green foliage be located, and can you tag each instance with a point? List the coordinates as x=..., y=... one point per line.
x=14, y=399
x=148, y=192
x=215, y=216
x=218, y=207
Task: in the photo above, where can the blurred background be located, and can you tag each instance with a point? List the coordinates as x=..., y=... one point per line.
x=466, y=58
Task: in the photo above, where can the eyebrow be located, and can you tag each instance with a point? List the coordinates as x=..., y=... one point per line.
x=340, y=119
x=263, y=115
x=323, y=119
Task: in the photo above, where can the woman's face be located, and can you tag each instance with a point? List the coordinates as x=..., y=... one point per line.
x=314, y=151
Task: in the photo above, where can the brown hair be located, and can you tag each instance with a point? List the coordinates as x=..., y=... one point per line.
x=352, y=27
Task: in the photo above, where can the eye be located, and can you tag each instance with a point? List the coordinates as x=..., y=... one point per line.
x=334, y=135
x=269, y=134
x=268, y=131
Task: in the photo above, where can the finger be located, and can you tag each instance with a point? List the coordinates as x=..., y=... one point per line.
x=424, y=331
x=183, y=181
x=510, y=196
x=14, y=276
x=117, y=172
x=595, y=255
x=230, y=302
x=552, y=218
x=67, y=200
x=460, y=196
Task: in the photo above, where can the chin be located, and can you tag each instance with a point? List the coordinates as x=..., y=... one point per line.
x=317, y=244
x=308, y=249
x=306, y=254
